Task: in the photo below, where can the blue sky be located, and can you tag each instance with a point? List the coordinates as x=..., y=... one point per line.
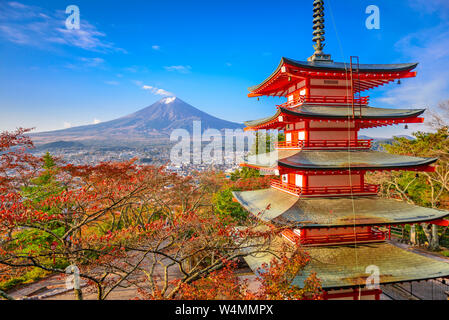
x=129, y=54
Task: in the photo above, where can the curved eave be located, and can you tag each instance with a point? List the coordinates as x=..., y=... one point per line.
x=407, y=113
x=288, y=210
x=369, y=167
x=268, y=161
x=273, y=74
x=368, y=113
x=331, y=66
x=335, y=267
x=358, y=160
x=394, y=213
x=342, y=66
x=258, y=122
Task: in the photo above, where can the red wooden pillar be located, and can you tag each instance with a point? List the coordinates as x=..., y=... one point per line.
x=356, y=294
x=306, y=132
x=307, y=87
x=377, y=295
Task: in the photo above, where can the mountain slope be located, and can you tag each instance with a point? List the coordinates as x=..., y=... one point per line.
x=154, y=122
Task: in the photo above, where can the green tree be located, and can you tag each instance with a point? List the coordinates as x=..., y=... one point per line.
x=269, y=140
x=33, y=241
x=225, y=206
x=45, y=184
x=423, y=188
x=241, y=180
x=244, y=173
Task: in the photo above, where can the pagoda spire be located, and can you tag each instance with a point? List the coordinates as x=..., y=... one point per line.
x=318, y=32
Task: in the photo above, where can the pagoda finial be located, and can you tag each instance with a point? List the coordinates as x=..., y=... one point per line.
x=318, y=32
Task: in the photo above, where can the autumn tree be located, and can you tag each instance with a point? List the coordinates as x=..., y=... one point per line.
x=17, y=165
x=121, y=224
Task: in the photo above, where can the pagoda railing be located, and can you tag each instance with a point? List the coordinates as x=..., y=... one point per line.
x=324, y=144
x=328, y=100
x=344, y=238
x=324, y=191
x=288, y=187
x=350, y=237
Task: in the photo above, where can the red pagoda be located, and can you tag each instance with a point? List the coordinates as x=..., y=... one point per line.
x=320, y=191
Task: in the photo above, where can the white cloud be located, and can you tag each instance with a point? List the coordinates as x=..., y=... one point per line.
x=441, y=7
x=156, y=47
x=33, y=26
x=96, y=121
x=180, y=69
x=156, y=91
x=431, y=85
x=67, y=125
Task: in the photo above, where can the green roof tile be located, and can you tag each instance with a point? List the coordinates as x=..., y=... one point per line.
x=337, y=160
x=286, y=209
x=346, y=266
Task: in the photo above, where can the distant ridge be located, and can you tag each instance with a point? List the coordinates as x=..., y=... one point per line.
x=152, y=123
x=62, y=144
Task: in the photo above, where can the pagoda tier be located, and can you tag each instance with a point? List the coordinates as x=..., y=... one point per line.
x=327, y=78
x=331, y=161
x=368, y=160
x=327, y=173
x=334, y=220
x=307, y=117
x=345, y=267
x=327, y=212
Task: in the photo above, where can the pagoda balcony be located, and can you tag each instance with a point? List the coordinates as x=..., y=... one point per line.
x=324, y=144
x=325, y=100
x=328, y=191
x=350, y=237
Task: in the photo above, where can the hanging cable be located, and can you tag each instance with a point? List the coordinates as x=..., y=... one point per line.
x=349, y=145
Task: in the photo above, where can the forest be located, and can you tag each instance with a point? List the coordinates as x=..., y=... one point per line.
x=166, y=236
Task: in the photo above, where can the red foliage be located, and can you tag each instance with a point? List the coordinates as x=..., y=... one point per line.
x=17, y=166
x=125, y=223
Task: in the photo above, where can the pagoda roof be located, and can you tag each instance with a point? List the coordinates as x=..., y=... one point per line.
x=332, y=112
x=309, y=160
x=329, y=112
x=344, y=266
x=361, y=160
x=286, y=209
x=258, y=122
x=306, y=69
x=269, y=160
x=342, y=66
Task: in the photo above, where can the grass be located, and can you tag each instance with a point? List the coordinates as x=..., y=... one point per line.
x=28, y=277
x=445, y=253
